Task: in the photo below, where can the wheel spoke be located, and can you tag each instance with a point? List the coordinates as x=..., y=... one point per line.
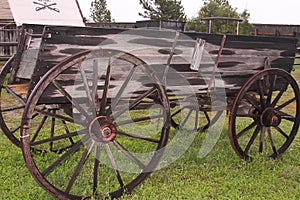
x=282, y=132
x=262, y=139
x=207, y=117
x=186, y=118
x=57, y=138
x=130, y=155
x=130, y=121
x=39, y=128
x=86, y=87
x=52, y=130
x=213, y=120
x=67, y=131
x=15, y=129
x=286, y=103
x=16, y=96
x=272, y=141
x=114, y=165
x=95, y=86
x=122, y=89
x=138, y=137
x=105, y=90
x=96, y=168
x=57, y=116
x=70, y=99
x=176, y=112
x=84, y=157
x=241, y=133
x=196, y=120
x=253, y=101
x=246, y=115
x=12, y=109
x=253, y=137
x=261, y=93
x=279, y=95
x=134, y=103
x=287, y=117
x=73, y=149
x=270, y=93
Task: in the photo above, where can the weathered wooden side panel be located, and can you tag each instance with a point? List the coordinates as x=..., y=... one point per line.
x=242, y=56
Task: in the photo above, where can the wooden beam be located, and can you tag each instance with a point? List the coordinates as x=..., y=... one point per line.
x=8, y=43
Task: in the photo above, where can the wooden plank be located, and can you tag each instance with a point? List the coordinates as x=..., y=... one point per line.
x=8, y=43
x=4, y=58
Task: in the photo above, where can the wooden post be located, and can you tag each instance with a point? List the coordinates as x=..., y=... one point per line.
x=209, y=26
x=160, y=24
x=237, y=26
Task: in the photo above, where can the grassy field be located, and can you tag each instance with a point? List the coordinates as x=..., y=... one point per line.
x=220, y=175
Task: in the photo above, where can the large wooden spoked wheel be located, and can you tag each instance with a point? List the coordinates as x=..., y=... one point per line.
x=118, y=116
x=264, y=117
x=11, y=106
x=13, y=98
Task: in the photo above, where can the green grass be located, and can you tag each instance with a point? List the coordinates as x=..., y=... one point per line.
x=16, y=181
x=220, y=175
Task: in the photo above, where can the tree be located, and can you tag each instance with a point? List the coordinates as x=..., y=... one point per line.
x=99, y=12
x=163, y=10
x=220, y=8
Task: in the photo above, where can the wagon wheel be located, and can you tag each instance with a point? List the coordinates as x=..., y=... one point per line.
x=195, y=119
x=194, y=116
x=264, y=117
x=115, y=118
x=12, y=103
x=11, y=106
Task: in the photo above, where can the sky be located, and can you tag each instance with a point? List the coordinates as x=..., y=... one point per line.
x=261, y=11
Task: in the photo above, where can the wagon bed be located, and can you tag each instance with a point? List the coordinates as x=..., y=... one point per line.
x=241, y=56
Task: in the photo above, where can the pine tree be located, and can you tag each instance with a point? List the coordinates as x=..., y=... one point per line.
x=163, y=10
x=99, y=12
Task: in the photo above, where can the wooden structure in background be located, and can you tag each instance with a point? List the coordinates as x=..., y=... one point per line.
x=211, y=19
x=8, y=32
x=14, y=14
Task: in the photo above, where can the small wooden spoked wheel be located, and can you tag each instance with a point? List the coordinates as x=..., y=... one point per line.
x=264, y=118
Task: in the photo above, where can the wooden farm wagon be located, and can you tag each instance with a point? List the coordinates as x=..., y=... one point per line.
x=95, y=106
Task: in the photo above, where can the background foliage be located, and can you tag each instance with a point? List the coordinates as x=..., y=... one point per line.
x=220, y=8
x=99, y=12
x=163, y=10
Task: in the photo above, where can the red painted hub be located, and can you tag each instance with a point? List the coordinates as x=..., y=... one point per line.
x=102, y=129
x=270, y=117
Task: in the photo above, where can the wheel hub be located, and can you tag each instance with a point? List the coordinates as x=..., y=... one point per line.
x=102, y=129
x=270, y=117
